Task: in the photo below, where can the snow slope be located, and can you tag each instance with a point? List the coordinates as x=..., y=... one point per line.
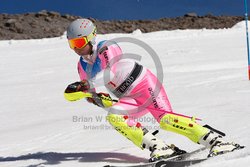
x=205, y=75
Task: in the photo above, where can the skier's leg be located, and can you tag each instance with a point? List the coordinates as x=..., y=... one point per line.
x=146, y=92
x=178, y=124
x=140, y=136
x=198, y=134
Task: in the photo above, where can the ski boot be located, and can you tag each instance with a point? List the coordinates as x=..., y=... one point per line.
x=159, y=150
x=218, y=146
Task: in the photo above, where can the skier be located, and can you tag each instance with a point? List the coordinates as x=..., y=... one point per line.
x=128, y=79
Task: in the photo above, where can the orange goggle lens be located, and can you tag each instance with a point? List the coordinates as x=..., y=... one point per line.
x=78, y=42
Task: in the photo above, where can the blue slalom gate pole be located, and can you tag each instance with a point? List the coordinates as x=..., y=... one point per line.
x=246, y=19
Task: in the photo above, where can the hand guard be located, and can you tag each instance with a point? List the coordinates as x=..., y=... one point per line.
x=74, y=91
x=78, y=86
x=101, y=99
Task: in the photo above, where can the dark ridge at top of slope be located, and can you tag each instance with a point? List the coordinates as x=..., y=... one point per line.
x=46, y=24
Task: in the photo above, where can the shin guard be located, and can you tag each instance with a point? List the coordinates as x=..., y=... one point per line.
x=134, y=133
x=184, y=126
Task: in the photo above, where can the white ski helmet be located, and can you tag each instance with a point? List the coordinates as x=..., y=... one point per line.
x=81, y=28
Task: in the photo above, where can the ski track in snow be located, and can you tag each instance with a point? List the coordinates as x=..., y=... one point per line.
x=205, y=75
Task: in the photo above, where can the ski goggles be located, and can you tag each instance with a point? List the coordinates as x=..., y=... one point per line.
x=81, y=41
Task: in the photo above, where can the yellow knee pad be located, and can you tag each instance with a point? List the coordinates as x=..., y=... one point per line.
x=183, y=126
x=133, y=133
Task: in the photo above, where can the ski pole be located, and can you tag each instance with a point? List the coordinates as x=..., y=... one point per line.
x=248, y=52
x=168, y=112
x=88, y=94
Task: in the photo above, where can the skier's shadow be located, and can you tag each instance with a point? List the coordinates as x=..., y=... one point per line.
x=53, y=158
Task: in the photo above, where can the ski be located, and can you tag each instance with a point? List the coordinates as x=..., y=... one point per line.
x=165, y=163
x=173, y=160
x=182, y=160
x=177, y=163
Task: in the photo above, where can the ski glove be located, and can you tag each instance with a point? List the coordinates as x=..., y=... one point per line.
x=101, y=99
x=74, y=91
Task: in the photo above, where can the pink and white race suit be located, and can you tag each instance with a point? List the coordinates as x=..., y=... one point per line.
x=129, y=81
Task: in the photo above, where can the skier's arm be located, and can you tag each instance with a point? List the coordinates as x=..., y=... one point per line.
x=82, y=74
x=109, y=53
